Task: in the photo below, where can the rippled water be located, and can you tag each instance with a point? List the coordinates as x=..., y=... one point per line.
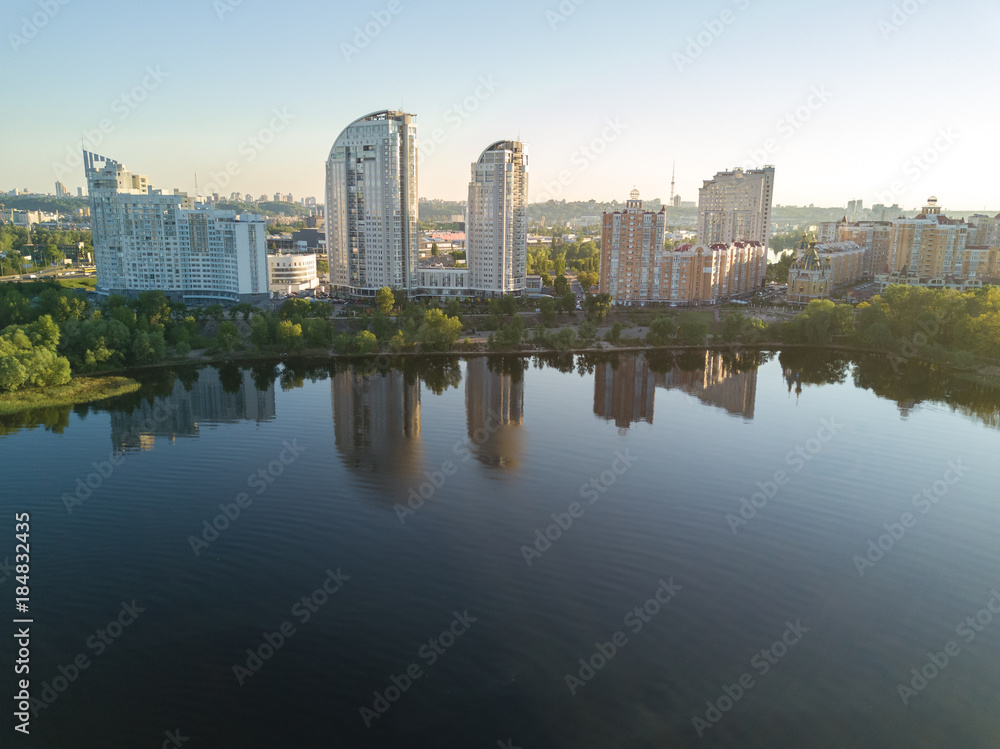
x=643, y=461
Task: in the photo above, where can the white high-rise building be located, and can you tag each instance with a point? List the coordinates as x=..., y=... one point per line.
x=145, y=240
x=372, y=235
x=736, y=207
x=497, y=221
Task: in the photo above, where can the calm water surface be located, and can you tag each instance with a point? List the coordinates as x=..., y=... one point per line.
x=576, y=573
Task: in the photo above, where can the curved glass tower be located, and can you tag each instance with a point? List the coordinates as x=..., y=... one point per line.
x=371, y=205
x=497, y=220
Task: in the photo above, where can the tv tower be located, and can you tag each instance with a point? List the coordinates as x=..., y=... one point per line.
x=673, y=173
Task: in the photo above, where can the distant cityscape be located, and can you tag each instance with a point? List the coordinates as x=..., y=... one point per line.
x=366, y=235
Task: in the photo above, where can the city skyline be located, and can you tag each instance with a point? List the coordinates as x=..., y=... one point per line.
x=838, y=126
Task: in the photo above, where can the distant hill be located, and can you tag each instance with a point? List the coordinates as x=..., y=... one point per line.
x=46, y=203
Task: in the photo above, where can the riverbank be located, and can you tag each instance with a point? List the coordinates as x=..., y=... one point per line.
x=78, y=390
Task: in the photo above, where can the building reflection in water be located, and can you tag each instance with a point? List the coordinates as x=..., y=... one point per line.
x=715, y=381
x=624, y=391
x=624, y=387
x=376, y=423
x=494, y=409
x=184, y=412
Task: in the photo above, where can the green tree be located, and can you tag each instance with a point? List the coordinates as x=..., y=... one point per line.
x=215, y=312
x=293, y=309
x=228, y=336
x=821, y=321
x=615, y=334
x=385, y=300
x=364, y=342
x=148, y=348
x=547, y=307
x=434, y=250
x=438, y=332
x=587, y=279
x=662, y=330
x=289, y=335
x=561, y=285
x=260, y=331
x=597, y=306
x=692, y=332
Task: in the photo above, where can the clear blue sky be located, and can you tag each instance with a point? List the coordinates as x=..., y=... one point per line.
x=555, y=81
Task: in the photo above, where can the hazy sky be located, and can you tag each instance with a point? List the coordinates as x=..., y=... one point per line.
x=847, y=100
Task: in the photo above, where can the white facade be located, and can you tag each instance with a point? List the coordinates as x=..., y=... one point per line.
x=497, y=221
x=290, y=274
x=371, y=205
x=736, y=207
x=145, y=240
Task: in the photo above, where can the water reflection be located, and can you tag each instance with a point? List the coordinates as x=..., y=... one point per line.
x=376, y=409
x=624, y=386
x=210, y=397
x=376, y=422
x=494, y=409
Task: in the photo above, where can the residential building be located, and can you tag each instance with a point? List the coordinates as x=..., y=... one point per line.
x=145, y=240
x=700, y=274
x=928, y=245
x=631, y=253
x=987, y=230
x=736, y=207
x=61, y=191
x=874, y=238
x=829, y=231
x=497, y=221
x=290, y=274
x=371, y=205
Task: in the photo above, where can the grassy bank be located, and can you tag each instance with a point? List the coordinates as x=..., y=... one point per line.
x=79, y=390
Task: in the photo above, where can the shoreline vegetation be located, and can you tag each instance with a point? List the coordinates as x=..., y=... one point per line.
x=54, y=344
x=79, y=390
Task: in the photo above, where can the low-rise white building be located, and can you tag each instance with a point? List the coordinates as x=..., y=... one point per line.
x=290, y=274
